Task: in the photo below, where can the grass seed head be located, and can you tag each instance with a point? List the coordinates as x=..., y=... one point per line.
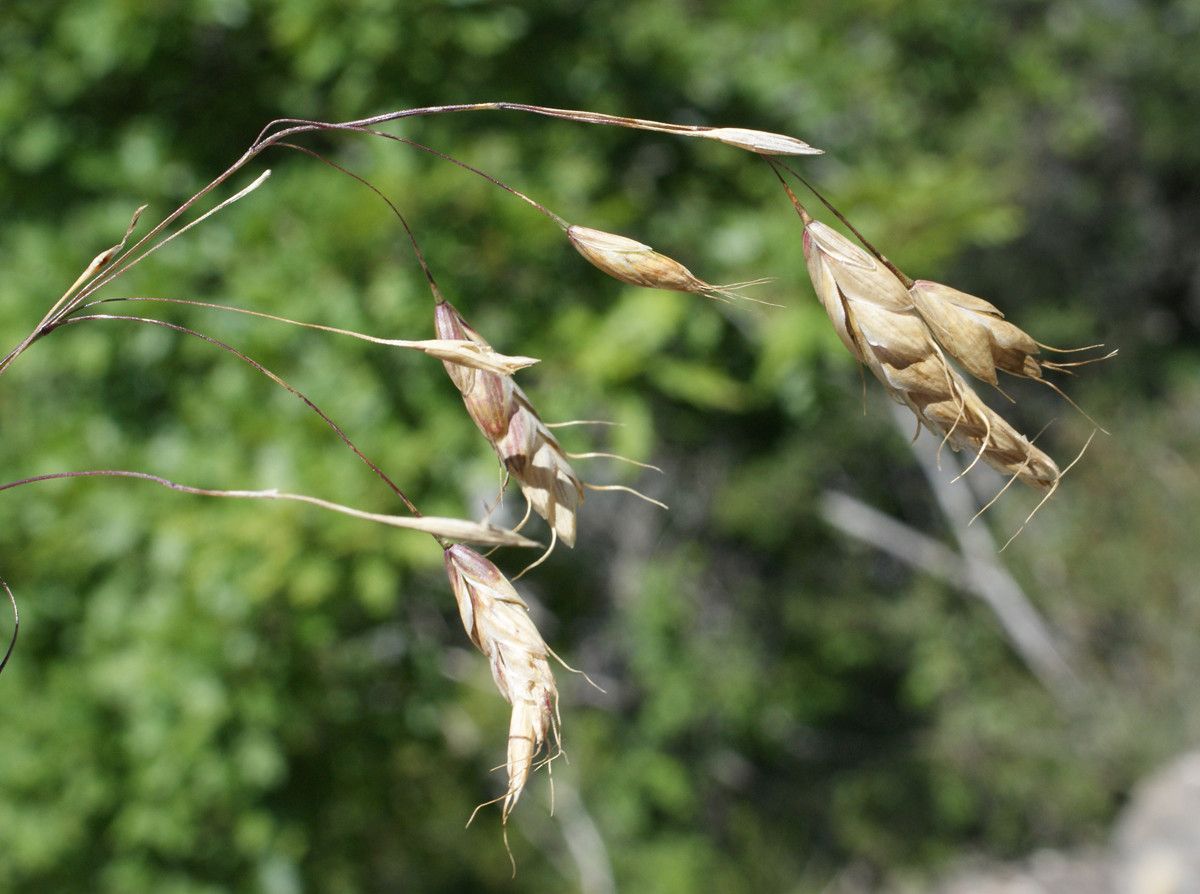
x=842, y=272
x=975, y=332
x=877, y=320
x=966, y=422
x=638, y=264
x=535, y=458
x=526, y=447
x=497, y=620
x=761, y=141
x=633, y=262
x=488, y=396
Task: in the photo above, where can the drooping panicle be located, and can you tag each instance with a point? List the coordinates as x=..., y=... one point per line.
x=497, y=620
x=530, y=453
x=879, y=322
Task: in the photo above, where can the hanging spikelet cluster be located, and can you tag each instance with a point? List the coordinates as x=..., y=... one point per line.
x=882, y=325
x=497, y=620
x=527, y=449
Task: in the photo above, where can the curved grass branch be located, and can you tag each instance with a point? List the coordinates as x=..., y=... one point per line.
x=460, y=351
x=117, y=261
x=220, y=206
x=448, y=528
x=282, y=383
x=98, y=263
x=750, y=140
x=382, y=134
x=12, y=644
x=110, y=264
x=129, y=256
x=412, y=237
x=495, y=181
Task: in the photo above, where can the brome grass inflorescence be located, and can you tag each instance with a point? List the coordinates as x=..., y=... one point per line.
x=909, y=333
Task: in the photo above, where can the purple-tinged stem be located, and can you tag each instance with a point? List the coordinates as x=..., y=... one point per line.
x=900, y=274
x=16, y=624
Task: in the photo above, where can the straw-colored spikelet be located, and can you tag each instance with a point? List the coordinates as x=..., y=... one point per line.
x=639, y=265
x=468, y=353
x=975, y=332
x=875, y=317
x=530, y=453
x=497, y=620
x=760, y=141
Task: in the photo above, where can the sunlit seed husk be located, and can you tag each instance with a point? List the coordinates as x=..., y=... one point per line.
x=528, y=450
x=760, y=141
x=632, y=262
x=975, y=333
x=876, y=319
x=638, y=264
x=497, y=621
x=538, y=462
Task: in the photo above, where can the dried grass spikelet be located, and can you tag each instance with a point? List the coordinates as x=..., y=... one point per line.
x=497, y=620
x=477, y=356
x=526, y=447
x=879, y=323
x=975, y=333
x=638, y=264
x=761, y=141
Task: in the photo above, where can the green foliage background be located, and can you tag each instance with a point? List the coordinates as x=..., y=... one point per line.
x=210, y=696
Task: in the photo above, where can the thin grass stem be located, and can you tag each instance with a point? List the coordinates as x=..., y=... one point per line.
x=12, y=644
x=278, y=380
x=452, y=528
